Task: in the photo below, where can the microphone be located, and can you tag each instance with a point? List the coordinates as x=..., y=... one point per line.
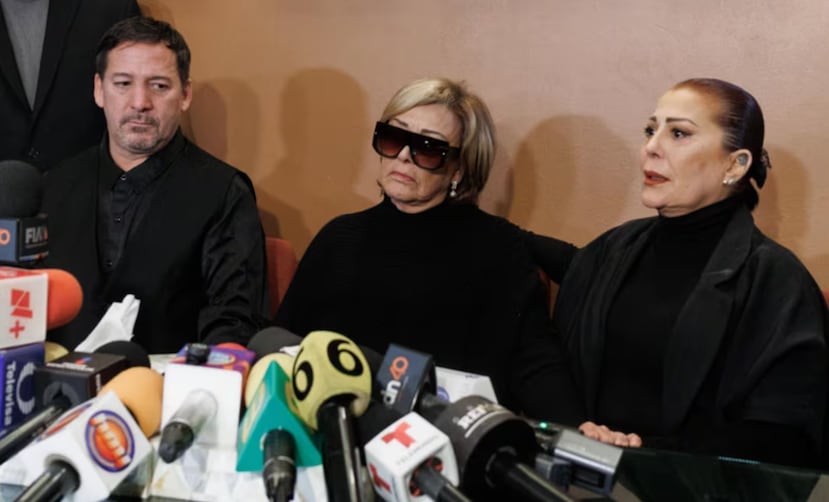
x=271, y=340
x=403, y=376
x=64, y=297
x=140, y=389
x=24, y=237
x=53, y=351
x=192, y=408
x=63, y=383
x=90, y=450
x=32, y=301
x=491, y=443
x=268, y=344
x=573, y=458
x=493, y=447
x=408, y=457
x=187, y=422
x=279, y=471
x=331, y=384
x=272, y=408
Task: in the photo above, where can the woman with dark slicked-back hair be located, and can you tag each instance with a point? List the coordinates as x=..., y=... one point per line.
x=692, y=330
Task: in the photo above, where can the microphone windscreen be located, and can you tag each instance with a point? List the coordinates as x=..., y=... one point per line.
x=258, y=370
x=140, y=389
x=64, y=297
x=131, y=351
x=21, y=189
x=272, y=339
x=329, y=366
x=376, y=418
x=375, y=360
x=53, y=351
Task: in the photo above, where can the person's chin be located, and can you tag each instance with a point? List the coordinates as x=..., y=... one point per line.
x=651, y=202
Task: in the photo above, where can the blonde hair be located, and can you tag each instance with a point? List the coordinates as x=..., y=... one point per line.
x=477, y=148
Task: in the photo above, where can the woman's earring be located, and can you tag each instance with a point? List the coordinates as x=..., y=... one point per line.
x=728, y=181
x=453, y=189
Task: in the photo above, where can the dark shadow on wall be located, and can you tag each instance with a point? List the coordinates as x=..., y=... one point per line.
x=781, y=213
x=157, y=10
x=324, y=128
x=576, y=173
x=217, y=105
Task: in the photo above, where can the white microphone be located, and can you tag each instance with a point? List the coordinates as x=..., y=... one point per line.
x=200, y=419
x=85, y=454
x=412, y=460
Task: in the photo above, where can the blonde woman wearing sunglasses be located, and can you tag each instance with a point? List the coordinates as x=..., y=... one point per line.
x=426, y=268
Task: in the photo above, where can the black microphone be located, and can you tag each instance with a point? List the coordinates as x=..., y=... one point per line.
x=24, y=237
x=279, y=471
x=403, y=376
x=492, y=445
x=271, y=340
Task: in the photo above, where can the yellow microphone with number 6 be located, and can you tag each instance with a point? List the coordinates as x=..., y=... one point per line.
x=329, y=366
x=332, y=384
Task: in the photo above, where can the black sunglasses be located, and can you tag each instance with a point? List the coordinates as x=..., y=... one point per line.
x=427, y=152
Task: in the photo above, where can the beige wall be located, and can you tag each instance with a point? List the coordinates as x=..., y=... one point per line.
x=288, y=91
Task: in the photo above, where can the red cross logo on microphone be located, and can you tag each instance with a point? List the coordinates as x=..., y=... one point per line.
x=399, y=433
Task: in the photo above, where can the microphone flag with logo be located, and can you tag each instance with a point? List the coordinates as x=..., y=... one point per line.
x=268, y=410
x=396, y=453
x=92, y=448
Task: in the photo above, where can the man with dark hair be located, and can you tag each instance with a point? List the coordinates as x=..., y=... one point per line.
x=149, y=213
x=47, y=53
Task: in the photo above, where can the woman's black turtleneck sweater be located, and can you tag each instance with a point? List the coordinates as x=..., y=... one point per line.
x=452, y=281
x=639, y=322
x=645, y=309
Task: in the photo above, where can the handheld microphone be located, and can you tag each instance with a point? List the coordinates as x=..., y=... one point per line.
x=404, y=375
x=34, y=301
x=187, y=422
x=268, y=344
x=23, y=305
x=279, y=471
x=88, y=452
x=24, y=237
x=331, y=384
x=66, y=382
x=272, y=340
x=408, y=457
x=64, y=297
x=192, y=410
x=272, y=407
x=493, y=447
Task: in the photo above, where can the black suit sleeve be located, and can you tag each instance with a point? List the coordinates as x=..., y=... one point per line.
x=552, y=255
x=234, y=270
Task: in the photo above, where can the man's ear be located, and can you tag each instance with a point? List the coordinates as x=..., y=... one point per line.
x=98, y=91
x=187, y=90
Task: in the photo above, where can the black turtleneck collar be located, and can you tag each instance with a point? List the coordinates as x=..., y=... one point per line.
x=445, y=210
x=716, y=215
